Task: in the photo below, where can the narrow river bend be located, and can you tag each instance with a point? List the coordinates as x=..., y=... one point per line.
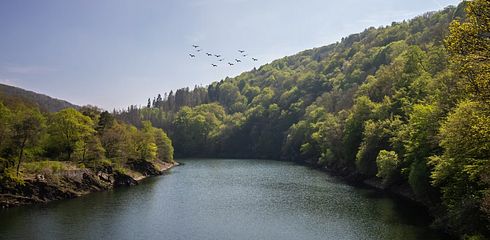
x=225, y=199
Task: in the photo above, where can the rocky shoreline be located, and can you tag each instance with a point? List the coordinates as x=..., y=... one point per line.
x=72, y=183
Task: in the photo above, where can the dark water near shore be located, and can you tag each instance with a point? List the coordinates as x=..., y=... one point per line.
x=225, y=199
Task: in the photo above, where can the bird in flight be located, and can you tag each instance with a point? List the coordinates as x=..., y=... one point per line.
x=192, y=55
x=231, y=64
x=198, y=50
x=238, y=60
x=209, y=54
x=216, y=55
x=195, y=46
x=255, y=59
x=214, y=65
x=245, y=55
x=241, y=51
x=221, y=59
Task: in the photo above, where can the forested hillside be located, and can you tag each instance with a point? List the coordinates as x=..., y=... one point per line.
x=406, y=105
x=48, y=156
x=12, y=95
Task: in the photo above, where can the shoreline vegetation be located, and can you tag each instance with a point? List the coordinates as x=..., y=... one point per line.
x=63, y=180
x=47, y=156
x=404, y=108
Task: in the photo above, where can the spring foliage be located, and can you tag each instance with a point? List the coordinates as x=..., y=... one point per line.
x=87, y=136
x=406, y=103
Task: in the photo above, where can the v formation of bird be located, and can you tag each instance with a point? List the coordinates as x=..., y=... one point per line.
x=219, y=58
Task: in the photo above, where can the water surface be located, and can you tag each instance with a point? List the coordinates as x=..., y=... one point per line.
x=225, y=199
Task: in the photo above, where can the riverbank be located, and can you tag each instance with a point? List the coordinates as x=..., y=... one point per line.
x=64, y=180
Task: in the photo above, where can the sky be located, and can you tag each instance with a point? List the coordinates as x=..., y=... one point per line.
x=114, y=53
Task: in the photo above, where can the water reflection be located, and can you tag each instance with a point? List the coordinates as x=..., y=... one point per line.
x=225, y=199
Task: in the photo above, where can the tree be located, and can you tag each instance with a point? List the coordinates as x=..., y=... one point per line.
x=361, y=112
x=420, y=141
x=465, y=138
x=376, y=137
x=115, y=140
x=388, y=165
x=461, y=171
x=145, y=143
x=193, y=128
x=5, y=127
x=27, y=128
x=469, y=47
x=106, y=120
x=66, y=128
x=88, y=148
x=165, y=150
x=329, y=137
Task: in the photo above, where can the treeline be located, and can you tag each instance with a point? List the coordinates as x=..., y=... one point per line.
x=407, y=104
x=89, y=137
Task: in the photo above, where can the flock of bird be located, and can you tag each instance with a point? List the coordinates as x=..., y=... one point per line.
x=219, y=57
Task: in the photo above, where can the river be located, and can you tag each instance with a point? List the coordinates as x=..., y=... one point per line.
x=225, y=199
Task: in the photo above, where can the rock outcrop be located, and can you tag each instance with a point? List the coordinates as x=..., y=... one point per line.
x=43, y=188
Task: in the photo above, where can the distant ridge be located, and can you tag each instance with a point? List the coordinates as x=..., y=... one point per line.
x=11, y=95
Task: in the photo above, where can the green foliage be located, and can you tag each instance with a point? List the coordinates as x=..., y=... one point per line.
x=419, y=180
x=9, y=177
x=354, y=126
x=44, y=166
x=68, y=130
x=165, y=150
x=469, y=47
x=376, y=136
x=465, y=137
x=388, y=165
x=373, y=104
x=26, y=131
x=196, y=127
x=115, y=141
x=88, y=148
x=6, y=121
x=27, y=144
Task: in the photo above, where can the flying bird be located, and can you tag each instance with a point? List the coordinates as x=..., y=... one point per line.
x=216, y=55
x=238, y=60
x=209, y=54
x=241, y=51
x=245, y=55
x=221, y=59
x=231, y=64
x=214, y=65
x=192, y=55
x=198, y=50
x=195, y=46
x=255, y=59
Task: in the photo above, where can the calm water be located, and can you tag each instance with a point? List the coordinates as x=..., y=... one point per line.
x=224, y=199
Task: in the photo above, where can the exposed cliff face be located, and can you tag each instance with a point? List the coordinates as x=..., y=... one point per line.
x=43, y=188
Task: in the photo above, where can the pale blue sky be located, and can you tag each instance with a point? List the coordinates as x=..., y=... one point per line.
x=113, y=53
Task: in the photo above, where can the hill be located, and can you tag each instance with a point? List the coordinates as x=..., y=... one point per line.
x=10, y=94
x=403, y=107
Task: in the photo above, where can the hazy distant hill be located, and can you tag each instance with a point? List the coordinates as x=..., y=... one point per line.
x=10, y=94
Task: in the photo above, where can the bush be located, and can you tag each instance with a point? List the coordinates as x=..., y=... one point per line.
x=43, y=166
